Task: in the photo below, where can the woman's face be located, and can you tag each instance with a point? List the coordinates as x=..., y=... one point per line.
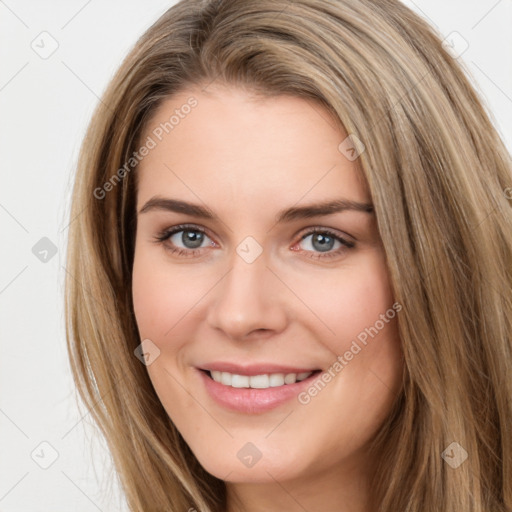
x=262, y=286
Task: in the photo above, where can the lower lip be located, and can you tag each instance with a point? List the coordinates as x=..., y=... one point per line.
x=251, y=400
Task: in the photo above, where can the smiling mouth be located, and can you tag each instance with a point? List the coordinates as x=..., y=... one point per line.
x=262, y=381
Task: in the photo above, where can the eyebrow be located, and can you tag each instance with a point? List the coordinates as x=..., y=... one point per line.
x=287, y=215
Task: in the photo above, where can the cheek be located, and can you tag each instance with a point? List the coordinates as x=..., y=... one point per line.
x=354, y=317
x=162, y=295
x=346, y=303
x=150, y=299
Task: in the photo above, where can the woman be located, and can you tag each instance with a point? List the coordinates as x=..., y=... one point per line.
x=290, y=281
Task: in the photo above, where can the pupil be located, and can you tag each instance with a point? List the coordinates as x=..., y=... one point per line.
x=324, y=242
x=194, y=237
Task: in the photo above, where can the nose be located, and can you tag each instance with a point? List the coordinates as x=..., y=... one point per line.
x=248, y=301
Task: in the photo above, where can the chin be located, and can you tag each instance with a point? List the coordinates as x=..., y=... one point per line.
x=238, y=466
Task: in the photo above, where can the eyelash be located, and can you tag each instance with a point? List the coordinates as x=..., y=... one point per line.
x=164, y=235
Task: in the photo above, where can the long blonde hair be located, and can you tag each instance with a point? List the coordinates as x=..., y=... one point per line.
x=440, y=180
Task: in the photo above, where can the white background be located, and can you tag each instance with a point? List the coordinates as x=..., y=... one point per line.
x=45, y=105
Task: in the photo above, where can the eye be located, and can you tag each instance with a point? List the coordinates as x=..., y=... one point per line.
x=193, y=238
x=323, y=241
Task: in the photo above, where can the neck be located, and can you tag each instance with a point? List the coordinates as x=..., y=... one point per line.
x=343, y=491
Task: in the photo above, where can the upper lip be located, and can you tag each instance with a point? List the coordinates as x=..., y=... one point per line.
x=254, y=368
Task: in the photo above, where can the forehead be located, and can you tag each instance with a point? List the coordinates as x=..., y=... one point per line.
x=225, y=143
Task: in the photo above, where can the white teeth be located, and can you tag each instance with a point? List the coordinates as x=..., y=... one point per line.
x=239, y=381
x=260, y=381
x=257, y=381
x=276, y=379
x=290, y=378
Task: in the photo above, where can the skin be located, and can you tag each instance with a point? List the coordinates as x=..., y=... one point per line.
x=246, y=159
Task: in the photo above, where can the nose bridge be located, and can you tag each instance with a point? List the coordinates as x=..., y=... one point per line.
x=247, y=299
